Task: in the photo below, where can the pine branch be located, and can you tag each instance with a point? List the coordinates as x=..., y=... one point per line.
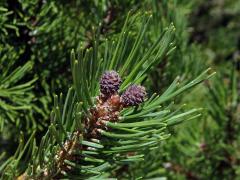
x=91, y=132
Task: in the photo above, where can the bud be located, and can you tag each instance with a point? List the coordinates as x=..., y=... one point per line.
x=134, y=95
x=110, y=83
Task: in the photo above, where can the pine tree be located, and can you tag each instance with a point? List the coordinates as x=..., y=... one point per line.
x=105, y=89
x=92, y=132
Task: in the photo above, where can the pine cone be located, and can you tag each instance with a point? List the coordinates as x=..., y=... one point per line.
x=134, y=95
x=110, y=83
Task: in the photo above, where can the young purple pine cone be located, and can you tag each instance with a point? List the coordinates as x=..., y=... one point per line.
x=110, y=83
x=134, y=95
